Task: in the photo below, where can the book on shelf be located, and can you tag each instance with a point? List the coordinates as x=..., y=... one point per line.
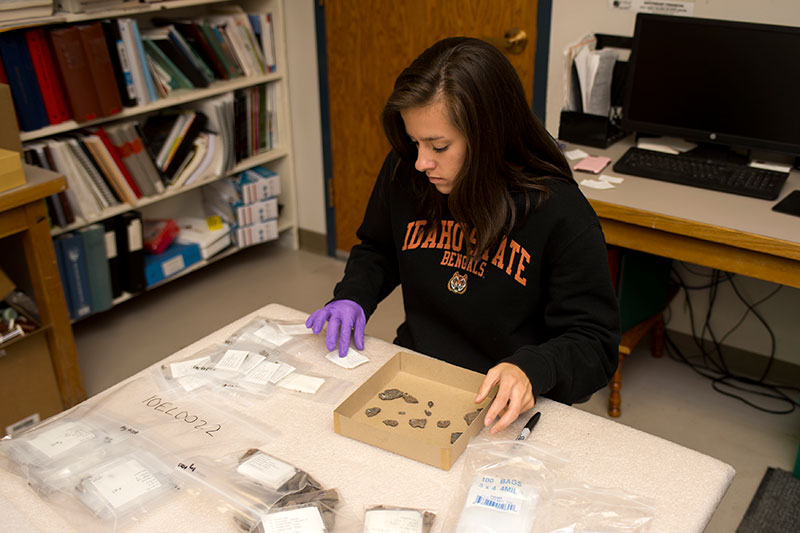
x=119, y=62
x=262, y=27
x=81, y=198
x=49, y=82
x=125, y=138
x=75, y=274
x=234, y=24
x=87, y=168
x=131, y=188
x=95, y=47
x=22, y=81
x=168, y=72
x=19, y=10
x=211, y=234
x=90, y=6
x=109, y=168
x=130, y=246
x=93, y=238
x=73, y=67
x=57, y=204
x=219, y=114
x=255, y=121
x=140, y=73
x=111, y=226
x=177, y=60
x=171, y=136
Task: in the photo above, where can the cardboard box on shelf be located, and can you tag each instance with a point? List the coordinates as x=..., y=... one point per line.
x=449, y=389
x=11, y=173
x=27, y=381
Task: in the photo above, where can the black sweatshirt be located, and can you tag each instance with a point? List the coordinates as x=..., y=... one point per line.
x=542, y=299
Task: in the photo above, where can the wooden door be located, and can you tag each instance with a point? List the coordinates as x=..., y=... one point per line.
x=368, y=43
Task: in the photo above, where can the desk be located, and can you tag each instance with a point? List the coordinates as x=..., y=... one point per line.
x=23, y=212
x=686, y=485
x=713, y=229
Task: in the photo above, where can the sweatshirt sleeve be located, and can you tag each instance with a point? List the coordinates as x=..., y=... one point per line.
x=582, y=318
x=372, y=272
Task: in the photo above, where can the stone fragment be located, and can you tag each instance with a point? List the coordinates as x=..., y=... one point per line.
x=454, y=437
x=409, y=399
x=390, y=394
x=418, y=422
x=392, y=423
x=372, y=411
x=443, y=423
x=401, y=412
x=430, y=404
x=428, y=413
x=470, y=417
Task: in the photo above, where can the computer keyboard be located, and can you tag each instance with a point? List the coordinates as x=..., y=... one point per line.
x=725, y=177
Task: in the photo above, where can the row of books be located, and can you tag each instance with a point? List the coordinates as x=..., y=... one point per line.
x=92, y=70
x=122, y=162
x=99, y=262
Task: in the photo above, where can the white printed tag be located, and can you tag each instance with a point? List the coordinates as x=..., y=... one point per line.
x=189, y=383
x=351, y=360
x=284, y=370
x=173, y=265
x=271, y=334
x=262, y=373
x=232, y=360
x=294, y=329
x=252, y=361
x=393, y=521
x=302, y=520
x=61, y=438
x=498, y=494
x=266, y=470
x=301, y=383
x=184, y=368
x=577, y=153
x=125, y=482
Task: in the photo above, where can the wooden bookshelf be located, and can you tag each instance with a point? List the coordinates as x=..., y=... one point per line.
x=279, y=158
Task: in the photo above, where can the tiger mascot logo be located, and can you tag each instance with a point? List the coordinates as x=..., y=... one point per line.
x=458, y=283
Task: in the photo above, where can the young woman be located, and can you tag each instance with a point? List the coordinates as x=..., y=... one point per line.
x=475, y=213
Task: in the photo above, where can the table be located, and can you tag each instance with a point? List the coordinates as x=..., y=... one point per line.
x=23, y=212
x=686, y=485
x=717, y=230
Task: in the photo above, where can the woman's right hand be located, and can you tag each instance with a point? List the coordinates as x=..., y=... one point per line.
x=343, y=317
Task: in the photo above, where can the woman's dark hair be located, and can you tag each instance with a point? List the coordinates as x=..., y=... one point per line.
x=508, y=149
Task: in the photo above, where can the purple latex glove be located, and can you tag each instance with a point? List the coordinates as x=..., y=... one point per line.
x=342, y=316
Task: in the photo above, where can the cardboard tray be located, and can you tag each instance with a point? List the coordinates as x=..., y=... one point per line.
x=452, y=390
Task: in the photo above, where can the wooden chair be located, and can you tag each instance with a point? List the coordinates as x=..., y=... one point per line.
x=630, y=339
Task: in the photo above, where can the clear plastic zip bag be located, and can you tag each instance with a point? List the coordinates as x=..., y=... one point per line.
x=505, y=486
x=393, y=519
x=254, y=484
x=49, y=454
x=582, y=508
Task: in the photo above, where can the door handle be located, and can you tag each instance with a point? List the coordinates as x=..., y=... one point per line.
x=513, y=42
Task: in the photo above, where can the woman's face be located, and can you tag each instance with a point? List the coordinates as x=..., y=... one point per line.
x=440, y=146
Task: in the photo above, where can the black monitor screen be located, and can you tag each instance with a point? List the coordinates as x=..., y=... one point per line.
x=724, y=82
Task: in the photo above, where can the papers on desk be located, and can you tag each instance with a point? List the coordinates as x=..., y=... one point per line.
x=587, y=77
x=602, y=182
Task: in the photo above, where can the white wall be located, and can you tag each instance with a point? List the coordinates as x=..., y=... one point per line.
x=301, y=46
x=573, y=19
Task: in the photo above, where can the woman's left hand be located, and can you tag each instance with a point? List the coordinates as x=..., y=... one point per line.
x=514, y=395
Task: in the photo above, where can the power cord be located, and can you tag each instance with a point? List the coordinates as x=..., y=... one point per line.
x=723, y=380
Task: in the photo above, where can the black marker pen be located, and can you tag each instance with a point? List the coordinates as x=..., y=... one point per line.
x=529, y=426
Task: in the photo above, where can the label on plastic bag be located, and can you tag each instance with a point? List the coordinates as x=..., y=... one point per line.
x=262, y=373
x=284, y=370
x=232, y=360
x=392, y=521
x=499, y=494
x=301, y=383
x=125, y=482
x=61, y=438
x=294, y=329
x=302, y=520
x=185, y=368
x=351, y=359
x=266, y=470
x=271, y=334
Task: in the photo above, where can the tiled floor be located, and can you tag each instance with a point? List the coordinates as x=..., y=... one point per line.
x=661, y=397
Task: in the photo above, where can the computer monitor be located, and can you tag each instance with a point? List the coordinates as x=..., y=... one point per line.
x=733, y=84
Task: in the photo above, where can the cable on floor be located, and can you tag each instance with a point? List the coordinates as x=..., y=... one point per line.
x=713, y=364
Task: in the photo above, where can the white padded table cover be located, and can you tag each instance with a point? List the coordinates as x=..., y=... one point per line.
x=686, y=485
